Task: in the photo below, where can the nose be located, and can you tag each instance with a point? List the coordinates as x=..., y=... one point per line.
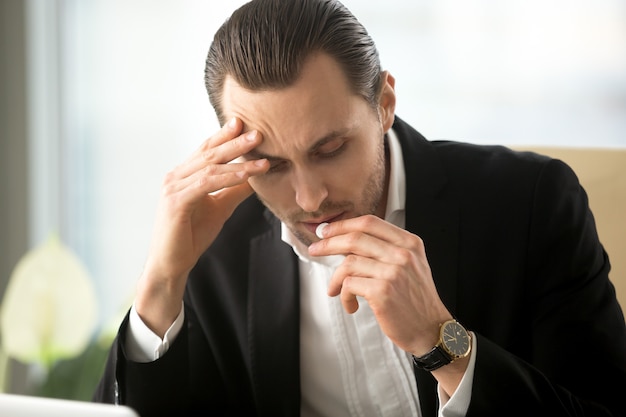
x=310, y=191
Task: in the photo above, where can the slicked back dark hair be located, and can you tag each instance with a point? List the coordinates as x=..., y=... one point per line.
x=264, y=44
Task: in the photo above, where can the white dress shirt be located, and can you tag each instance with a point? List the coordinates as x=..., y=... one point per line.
x=348, y=366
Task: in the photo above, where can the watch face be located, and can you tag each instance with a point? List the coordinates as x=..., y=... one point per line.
x=455, y=339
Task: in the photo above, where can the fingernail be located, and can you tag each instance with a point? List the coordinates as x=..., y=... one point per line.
x=251, y=135
x=260, y=162
x=319, y=231
x=232, y=123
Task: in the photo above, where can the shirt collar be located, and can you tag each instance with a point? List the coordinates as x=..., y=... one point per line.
x=396, y=195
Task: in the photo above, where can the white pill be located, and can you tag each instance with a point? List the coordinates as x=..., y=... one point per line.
x=318, y=230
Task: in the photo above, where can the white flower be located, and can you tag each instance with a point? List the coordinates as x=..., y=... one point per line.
x=49, y=310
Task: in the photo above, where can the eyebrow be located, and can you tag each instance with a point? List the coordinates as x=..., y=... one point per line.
x=256, y=154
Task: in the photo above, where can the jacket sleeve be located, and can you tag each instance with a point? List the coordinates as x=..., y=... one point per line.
x=186, y=380
x=576, y=364
x=153, y=388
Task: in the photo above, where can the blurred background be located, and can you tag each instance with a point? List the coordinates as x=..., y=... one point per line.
x=100, y=98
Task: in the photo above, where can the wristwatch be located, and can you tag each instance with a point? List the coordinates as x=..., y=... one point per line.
x=454, y=342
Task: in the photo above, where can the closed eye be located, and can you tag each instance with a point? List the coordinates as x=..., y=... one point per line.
x=326, y=148
x=327, y=151
x=331, y=149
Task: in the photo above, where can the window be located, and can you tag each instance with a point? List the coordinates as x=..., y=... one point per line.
x=118, y=98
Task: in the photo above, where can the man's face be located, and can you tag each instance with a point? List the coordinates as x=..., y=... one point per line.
x=325, y=146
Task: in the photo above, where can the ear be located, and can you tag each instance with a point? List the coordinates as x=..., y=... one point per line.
x=387, y=100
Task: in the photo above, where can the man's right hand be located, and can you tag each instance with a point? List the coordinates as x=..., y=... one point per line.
x=197, y=198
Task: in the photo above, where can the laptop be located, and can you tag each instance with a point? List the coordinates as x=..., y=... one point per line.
x=14, y=405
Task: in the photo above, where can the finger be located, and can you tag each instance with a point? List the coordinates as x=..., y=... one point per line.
x=222, y=154
x=223, y=147
x=233, y=149
x=384, y=242
x=194, y=188
x=353, y=265
x=357, y=243
x=227, y=132
x=370, y=224
x=374, y=291
x=211, y=178
x=349, y=301
x=230, y=130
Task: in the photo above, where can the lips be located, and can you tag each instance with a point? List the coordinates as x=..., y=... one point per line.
x=312, y=224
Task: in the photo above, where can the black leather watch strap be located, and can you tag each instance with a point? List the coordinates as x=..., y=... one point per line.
x=434, y=359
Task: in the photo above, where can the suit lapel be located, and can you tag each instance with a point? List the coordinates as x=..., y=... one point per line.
x=430, y=214
x=435, y=219
x=273, y=323
x=440, y=236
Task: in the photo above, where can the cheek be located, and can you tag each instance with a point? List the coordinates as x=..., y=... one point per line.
x=271, y=191
x=261, y=186
x=359, y=169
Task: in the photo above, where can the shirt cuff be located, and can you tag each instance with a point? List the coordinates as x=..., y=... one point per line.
x=142, y=344
x=457, y=405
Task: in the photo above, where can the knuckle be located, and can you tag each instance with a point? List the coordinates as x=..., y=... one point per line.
x=168, y=178
x=350, y=260
x=209, y=170
x=167, y=190
x=366, y=222
x=170, y=199
x=404, y=256
x=345, y=287
x=393, y=273
x=369, y=220
x=339, y=273
x=353, y=238
x=208, y=155
x=416, y=242
x=202, y=181
x=168, y=187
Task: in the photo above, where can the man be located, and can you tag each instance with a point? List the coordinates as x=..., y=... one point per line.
x=373, y=272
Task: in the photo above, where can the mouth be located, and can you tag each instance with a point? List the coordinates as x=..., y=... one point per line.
x=311, y=225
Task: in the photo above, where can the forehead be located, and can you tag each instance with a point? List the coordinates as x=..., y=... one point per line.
x=318, y=103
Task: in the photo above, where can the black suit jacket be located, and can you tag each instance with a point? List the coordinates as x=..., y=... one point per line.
x=515, y=256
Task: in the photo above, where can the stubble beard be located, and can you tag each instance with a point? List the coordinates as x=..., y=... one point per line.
x=369, y=203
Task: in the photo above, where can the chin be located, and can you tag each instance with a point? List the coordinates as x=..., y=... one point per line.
x=303, y=237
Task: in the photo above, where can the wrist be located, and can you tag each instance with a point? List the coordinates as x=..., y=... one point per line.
x=454, y=343
x=158, y=301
